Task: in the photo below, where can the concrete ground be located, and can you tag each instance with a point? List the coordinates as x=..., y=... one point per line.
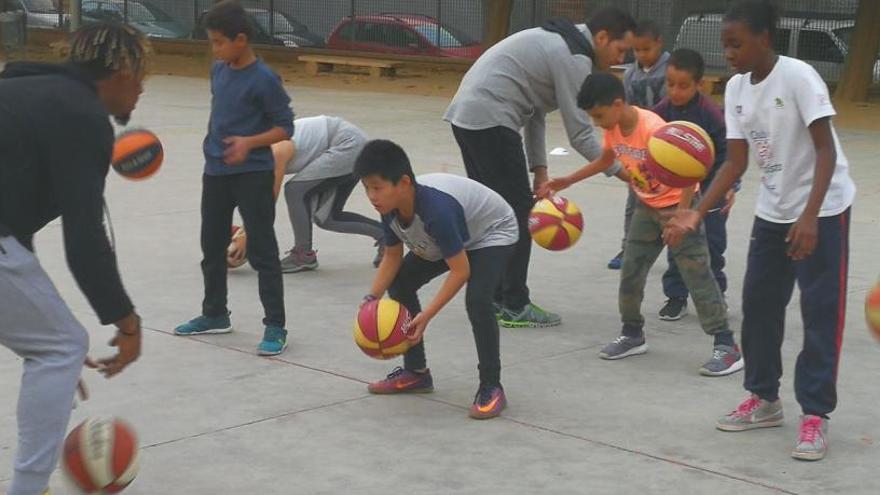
x=213, y=418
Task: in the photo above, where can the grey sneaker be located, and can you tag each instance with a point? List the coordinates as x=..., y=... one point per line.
x=752, y=413
x=531, y=316
x=624, y=346
x=298, y=260
x=674, y=309
x=725, y=361
x=812, y=442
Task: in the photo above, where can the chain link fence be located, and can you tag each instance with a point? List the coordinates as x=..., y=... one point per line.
x=817, y=31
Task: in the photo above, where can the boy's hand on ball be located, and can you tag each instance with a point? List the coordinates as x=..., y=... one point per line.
x=237, y=149
x=416, y=328
x=802, y=237
x=553, y=186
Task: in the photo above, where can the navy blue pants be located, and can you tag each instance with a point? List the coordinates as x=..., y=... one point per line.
x=769, y=282
x=716, y=237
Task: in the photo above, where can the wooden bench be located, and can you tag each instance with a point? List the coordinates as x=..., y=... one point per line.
x=324, y=63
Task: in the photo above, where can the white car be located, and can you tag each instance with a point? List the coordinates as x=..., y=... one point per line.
x=39, y=13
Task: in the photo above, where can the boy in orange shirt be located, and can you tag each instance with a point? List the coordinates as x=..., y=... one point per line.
x=627, y=131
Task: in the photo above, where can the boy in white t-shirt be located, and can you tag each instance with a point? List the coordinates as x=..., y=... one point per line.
x=779, y=108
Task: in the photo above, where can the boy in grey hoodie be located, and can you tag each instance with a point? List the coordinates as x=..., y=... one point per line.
x=511, y=88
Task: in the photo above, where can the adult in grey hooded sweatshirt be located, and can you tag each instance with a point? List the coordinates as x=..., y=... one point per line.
x=510, y=89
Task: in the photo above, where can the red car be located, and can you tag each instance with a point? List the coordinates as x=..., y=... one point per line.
x=402, y=34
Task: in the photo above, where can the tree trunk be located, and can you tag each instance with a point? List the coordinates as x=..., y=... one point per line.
x=498, y=21
x=855, y=82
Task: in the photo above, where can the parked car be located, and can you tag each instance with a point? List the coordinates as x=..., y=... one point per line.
x=823, y=43
x=39, y=13
x=142, y=15
x=287, y=31
x=402, y=34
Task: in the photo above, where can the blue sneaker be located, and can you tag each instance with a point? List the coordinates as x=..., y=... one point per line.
x=616, y=262
x=203, y=325
x=274, y=341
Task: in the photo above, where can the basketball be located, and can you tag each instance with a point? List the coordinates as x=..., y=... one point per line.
x=872, y=310
x=101, y=455
x=236, y=242
x=379, y=329
x=137, y=154
x=556, y=223
x=680, y=154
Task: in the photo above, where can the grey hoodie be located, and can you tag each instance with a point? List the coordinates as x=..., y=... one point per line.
x=517, y=82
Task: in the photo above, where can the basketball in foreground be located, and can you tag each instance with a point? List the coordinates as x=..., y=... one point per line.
x=556, y=223
x=379, y=329
x=680, y=154
x=137, y=154
x=872, y=310
x=101, y=455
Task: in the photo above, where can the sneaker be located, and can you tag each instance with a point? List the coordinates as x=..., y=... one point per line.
x=380, y=253
x=616, y=262
x=725, y=361
x=401, y=381
x=812, y=443
x=488, y=402
x=299, y=260
x=752, y=413
x=531, y=316
x=674, y=309
x=624, y=346
x=203, y=325
x=274, y=341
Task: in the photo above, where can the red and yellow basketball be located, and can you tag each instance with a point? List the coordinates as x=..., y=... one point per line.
x=872, y=310
x=680, y=154
x=556, y=223
x=137, y=154
x=379, y=329
x=101, y=455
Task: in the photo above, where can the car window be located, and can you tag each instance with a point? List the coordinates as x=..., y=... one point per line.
x=782, y=41
x=401, y=37
x=369, y=32
x=346, y=33
x=40, y=6
x=818, y=46
x=440, y=36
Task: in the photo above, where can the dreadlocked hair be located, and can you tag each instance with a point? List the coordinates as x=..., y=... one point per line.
x=103, y=49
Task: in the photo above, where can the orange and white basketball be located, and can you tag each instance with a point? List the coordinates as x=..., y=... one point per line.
x=101, y=455
x=137, y=154
x=556, y=223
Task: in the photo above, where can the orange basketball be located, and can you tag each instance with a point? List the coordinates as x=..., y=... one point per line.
x=137, y=154
x=872, y=310
x=556, y=223
x=101, y=455
x=379, y=329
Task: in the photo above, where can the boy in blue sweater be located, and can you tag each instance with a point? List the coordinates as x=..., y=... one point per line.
x=685, y=102
x=250, y=111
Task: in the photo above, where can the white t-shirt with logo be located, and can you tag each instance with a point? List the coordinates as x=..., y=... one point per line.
x=774, y=116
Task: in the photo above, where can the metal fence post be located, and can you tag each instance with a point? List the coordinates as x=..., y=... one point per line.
x=356, y=27
x=271, y=21
x=439, y=21
x=125, y=11
x=75, y=14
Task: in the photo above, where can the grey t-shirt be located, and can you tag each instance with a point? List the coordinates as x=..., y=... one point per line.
x=452, y=213
x=518, y=81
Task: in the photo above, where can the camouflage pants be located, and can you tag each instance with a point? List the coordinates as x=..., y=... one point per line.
x=643, y=245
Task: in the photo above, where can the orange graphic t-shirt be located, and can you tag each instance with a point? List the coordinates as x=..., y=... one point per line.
x=632, y=151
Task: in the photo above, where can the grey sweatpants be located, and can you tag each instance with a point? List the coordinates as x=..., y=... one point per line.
x=36, y=324
x=324, y=200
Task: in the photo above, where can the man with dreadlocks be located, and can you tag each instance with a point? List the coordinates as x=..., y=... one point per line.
x=55, y=147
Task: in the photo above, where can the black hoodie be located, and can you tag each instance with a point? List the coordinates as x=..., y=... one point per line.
x=56, y=143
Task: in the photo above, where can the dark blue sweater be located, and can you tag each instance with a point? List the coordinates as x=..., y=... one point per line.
x=244, y=102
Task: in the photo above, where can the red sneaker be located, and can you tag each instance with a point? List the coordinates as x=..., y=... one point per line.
x=488, y=402
x=401, y=381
